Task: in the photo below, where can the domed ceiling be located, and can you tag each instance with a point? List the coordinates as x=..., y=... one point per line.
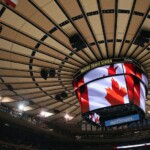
x=35, y=35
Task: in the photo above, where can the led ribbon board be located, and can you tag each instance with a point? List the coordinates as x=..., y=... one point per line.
x=122, y=120
x=109, y=83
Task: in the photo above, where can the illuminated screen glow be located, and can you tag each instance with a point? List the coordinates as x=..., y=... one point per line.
x=111, y=85
x=122, y=120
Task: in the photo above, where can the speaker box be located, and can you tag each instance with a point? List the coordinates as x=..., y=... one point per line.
x=52, y=72
x=58, y=97
x=145, y=34
x=64, y=95
x=44, y=74
x=76, y=42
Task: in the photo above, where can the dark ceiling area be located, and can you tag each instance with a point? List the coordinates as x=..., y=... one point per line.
x=44, y=43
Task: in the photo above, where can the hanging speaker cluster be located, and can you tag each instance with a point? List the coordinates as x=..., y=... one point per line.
x=76, y=42
x=52, y=72
x=142, y=38
x=45, y=73
x=112, y=91
x=61, y=96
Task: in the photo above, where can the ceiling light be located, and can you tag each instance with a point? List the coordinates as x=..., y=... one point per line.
x=45, y=114
x=7, y=100
x=148, y=112
x=21, y=107
x=6, y=124
x=27, y=108
x=68, y=117
x=42, y=113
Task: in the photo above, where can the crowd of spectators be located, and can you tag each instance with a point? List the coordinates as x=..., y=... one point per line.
x=17, y=138
x=38, y=121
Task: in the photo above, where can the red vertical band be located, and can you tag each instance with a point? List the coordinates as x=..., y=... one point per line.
x=130, y=68
x=137, y=93
x=10, y=3
x=80, y=82
x=84, y=97
x=82, y=94
x=137, y=89
x=130, y=87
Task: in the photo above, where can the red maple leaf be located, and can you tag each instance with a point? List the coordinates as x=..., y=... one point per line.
x=112, y=70
x=115, y=95
x=97, y=119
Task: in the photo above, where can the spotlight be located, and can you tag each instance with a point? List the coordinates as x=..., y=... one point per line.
x=0, y=99
x=42, y=113
x=45, y=114
x=52, y=72
x=44, y=74
x=68, y=117
x=21, y=107
x=64, y=95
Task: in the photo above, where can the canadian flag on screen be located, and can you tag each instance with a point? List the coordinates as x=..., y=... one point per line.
x=112, y=90
x=136, y=90
x=109, y=91
x=94, y=117
x=12, y=3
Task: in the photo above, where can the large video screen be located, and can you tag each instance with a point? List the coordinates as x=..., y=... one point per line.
x=111, y=85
